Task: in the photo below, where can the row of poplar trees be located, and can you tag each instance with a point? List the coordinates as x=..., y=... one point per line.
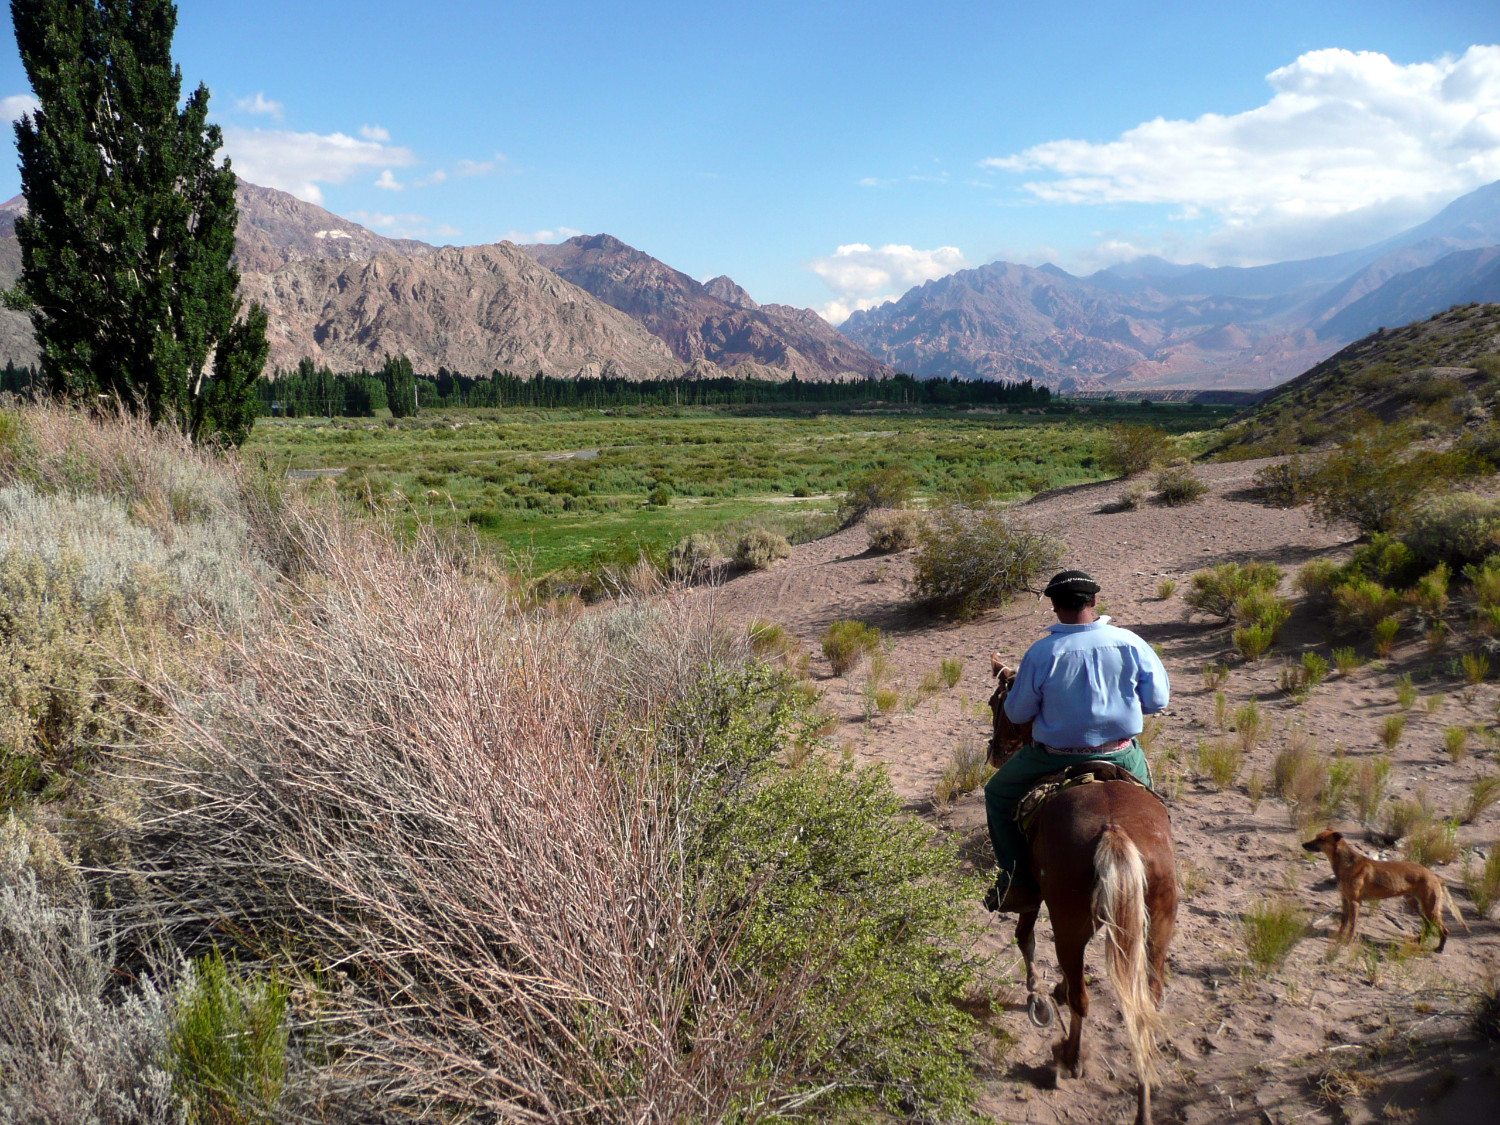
x=128, y=238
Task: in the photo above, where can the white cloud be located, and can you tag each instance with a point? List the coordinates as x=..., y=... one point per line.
x=438, y=176
x=261, y=104
x=480, y=167
x=389, y=182
x=862, y=277
x=526, y=237
x=374, y=133
x=18, y=105
x=299, y=162
x=1343, y=133
x=405, y=226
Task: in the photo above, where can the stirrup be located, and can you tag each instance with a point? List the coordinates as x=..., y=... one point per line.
x=1018, y=898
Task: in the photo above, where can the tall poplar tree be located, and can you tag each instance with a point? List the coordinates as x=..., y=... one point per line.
x=127, y=242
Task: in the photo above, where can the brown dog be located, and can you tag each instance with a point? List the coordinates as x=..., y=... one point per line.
x=1361, y=878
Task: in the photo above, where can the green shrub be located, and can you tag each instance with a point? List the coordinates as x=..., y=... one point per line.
x=1476, y=668
x=1485, y=579
x=1133, y=449
x=970, y=559
x=1404, y=817
x=952, y=670
x=1459, y=530
x=846, y=643
x=229, y=1044
x=878, y=488
x=1375, y=481
x=1406, y=692
x=768, y=640
x=1178, y=485
x=1165, y=589
x=1215, y=592
x=759, y=549
x=1272, y=929
x=1385, y=559
x=893, y=529
x=1391, y=729
x=1221, y=762
x=1347, y=661
x=1314, y=669
x=1431, y=591
x=1383, y=635
x=1359, y=603
x=1317, y=579
x=1253, y=641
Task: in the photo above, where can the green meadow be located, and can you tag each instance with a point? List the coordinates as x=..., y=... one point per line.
x=571, y=487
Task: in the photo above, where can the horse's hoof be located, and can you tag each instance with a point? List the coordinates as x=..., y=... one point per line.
x=1040, y=1011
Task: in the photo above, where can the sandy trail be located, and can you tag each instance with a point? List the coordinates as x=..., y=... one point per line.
x=1371, y=1035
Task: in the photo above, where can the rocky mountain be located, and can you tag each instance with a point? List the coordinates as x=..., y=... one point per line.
x=473, y=309
x=1004, y=321
x=1152, y=323
x=721, y=325
x=276, y=229
x=17, y=343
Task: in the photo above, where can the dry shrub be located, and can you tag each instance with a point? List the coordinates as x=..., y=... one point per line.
x=1221, y=762
x=1404, y=817
x=693, y=555
x=968, y=768
x=889, y=487
x=1484, y=791
x=73, y=1046
x=558, y=865
x=1432, y=844
x=759, y=549
x=1286, y=484
x=970, y=559
x=1178, y=485
x=1272, y=929
x=1483, y=882
x=1300, y=776
x=1459, y=530
x=893, y=529
x=1372, y=780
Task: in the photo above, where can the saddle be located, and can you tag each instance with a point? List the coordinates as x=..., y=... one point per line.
x=1008, y=737
x=1070, y=777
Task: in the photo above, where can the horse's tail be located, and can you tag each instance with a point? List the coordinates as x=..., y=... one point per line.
x=1120, y=909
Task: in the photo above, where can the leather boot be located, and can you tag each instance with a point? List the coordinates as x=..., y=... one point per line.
x=1018, y=898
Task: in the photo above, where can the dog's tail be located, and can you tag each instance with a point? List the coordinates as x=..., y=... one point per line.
x=1452, y=907
x=1120, y=908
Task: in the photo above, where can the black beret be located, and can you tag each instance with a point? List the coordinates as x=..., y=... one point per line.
x=1070, y=582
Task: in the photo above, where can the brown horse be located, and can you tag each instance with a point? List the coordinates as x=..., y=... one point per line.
x=1102, y=854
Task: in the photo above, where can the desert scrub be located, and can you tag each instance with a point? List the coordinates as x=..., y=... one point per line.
x=758, y=549
x=1391, y=729
x=692, y=555
x=1286, y=484
x=74, y=1040
x=846, y=643
x=770, y=641
x=1484, y=792
x=1165, y=589
x=1372, y=780
x=1482, y=881
x=1347, y=661
x=1406, y=692
x=878, y=488
x=1375, y=480
x=1272, y=929
x=1404, y=817
x=791, y=936
x=1457, y=531
x=952, y=670
x=893, y=529
x=1432, y=844
x=1133, y=449
x=228, y=1042
x=1217, y=592
x=968, y=768
x=1362, y=603
x=1456, y=742
x=971, y=559
x=1178, y=485
x=1220, y=761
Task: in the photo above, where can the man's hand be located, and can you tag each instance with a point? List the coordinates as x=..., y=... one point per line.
x=997, y=664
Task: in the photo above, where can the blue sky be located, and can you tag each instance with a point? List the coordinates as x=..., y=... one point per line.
x=833, y=154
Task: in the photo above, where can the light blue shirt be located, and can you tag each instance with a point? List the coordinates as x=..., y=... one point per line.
x=1087, y=685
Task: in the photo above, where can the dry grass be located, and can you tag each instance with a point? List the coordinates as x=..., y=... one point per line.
x=1484, y=792
x=1483, y=882
x=1432, y=844
x=1220, y=761
x=1456, y=742
x=968, y=768
x=1272, y=928
x=1372, y=780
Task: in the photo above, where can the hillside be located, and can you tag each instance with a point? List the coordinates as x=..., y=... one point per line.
x=720, y=324
x=1444, y=368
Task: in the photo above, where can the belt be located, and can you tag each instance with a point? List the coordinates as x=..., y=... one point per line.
x=1103, y=748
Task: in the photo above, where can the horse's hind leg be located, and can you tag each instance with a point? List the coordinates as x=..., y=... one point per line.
x=1163, y=926
x=1068, y=1051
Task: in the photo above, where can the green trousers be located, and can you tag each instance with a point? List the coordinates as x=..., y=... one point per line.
x=1011, y=782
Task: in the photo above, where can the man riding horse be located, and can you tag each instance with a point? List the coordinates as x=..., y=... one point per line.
x=1084, y=688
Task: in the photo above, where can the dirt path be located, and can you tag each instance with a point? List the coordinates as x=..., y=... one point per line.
x=1375, y=1034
